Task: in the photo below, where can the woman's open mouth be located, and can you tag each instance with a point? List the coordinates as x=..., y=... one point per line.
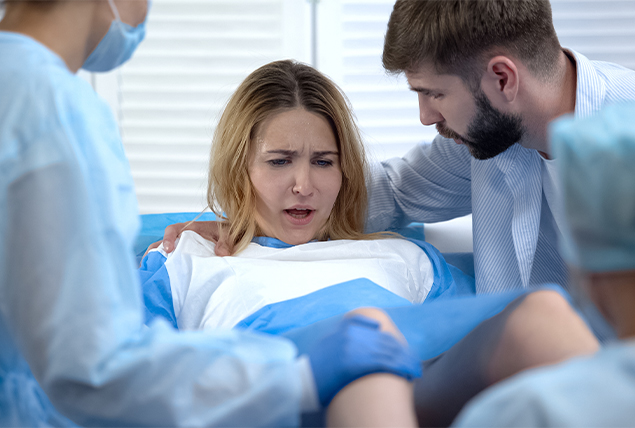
x=299, y=216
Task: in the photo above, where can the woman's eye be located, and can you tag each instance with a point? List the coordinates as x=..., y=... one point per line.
x=323, y=162
x=278, y=162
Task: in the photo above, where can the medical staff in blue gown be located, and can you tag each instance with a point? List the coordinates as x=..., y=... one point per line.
x=597, y=174
x=71, y=320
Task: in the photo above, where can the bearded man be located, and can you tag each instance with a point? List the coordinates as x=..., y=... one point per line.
x=491, y=75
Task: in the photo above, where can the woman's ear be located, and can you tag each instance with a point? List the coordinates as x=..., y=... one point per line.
x=501, y=80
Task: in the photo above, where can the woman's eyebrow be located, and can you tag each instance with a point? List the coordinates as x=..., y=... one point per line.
x=281, y=152
x=295, y=152
x=326, y=153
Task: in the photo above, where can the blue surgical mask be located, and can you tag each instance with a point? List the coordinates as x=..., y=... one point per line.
x=118, y=44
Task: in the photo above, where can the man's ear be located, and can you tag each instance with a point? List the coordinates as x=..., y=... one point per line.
x=501, y=80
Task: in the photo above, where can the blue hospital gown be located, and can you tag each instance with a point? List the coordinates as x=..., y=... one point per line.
x=70, y=300
x=193, y=289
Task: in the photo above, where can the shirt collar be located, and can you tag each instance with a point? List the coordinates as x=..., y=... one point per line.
x=590, y=89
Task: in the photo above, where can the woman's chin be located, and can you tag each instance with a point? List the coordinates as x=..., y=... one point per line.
x=296, y=238
x=294, y=235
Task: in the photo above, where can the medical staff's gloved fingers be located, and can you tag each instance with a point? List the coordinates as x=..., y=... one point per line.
x=354, y=349
x=386, y=324
x=386, y=354
x=362, y=321
x=367, y=344
x=395, y=358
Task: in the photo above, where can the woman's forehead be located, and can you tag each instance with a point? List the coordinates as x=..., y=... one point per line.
x=295, y=130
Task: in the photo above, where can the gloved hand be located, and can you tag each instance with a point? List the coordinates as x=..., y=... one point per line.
x=355, y=349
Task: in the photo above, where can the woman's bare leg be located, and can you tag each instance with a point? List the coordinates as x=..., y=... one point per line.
x=544, y=330
x=537, y=329
x=377, y=400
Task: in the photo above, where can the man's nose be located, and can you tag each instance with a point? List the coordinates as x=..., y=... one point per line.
x=428, y=115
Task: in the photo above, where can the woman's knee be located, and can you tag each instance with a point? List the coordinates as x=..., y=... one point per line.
x=386, y=323
x=548, y=301
x=547, y=313
x=543, y=329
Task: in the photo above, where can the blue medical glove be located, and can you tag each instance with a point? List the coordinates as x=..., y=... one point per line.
x=357, y=348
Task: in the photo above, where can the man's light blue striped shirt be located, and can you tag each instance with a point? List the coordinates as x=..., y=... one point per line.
x=515, y=235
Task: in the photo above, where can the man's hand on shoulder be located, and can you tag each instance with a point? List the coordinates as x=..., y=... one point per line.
x=209, y=230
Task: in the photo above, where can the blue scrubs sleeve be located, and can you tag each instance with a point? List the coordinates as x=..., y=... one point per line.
x=72, y=301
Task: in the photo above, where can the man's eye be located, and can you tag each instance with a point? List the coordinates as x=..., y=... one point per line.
x=278, y=162
x=437, y=96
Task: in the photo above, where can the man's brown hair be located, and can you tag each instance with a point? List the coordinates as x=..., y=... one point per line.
x=459, y=36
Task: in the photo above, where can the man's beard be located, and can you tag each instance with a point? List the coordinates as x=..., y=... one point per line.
x=490, y=133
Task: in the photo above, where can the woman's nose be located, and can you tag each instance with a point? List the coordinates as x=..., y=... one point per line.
x=303, y=185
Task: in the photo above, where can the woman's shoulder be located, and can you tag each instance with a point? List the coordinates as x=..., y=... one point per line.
x=190, y=244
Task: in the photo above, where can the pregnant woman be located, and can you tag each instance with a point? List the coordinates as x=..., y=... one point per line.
x=287, y=176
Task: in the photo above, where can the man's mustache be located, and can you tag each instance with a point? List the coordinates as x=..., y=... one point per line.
x=446, y=132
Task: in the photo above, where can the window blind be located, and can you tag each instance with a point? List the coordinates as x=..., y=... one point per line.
x=169, y=97
x=350, y=43
x=350, y=53
x=350, y=36
x=602, y=30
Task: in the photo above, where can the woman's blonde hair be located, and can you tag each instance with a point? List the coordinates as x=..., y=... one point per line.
x=271, y=89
